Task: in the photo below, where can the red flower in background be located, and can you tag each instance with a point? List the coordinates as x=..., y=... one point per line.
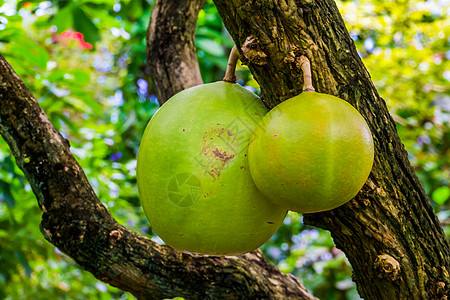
x=68, y=35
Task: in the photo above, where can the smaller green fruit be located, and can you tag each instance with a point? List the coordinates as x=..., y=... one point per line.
x=311, y=153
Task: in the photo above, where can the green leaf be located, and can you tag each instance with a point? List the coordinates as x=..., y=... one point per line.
x=84, y=25
x=69, y=123
x=220, y=61
x=210, y=46
x=9, y=34
x=76, y=103
x=8, y=165
x=58, y=75
x=92, y=104
x=5, y=194
x=441, y=195
x=134, y=9
x=81, y=77
x=96, y=6
x=63, y=20
x=23, y=260
x=207, y=32
x=29, y=52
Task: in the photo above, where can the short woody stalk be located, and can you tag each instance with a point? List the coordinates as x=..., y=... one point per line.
x=230, y=73
x=307, y=78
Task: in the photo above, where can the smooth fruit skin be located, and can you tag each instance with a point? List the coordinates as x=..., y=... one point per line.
x=193, y=176
x=311, y=153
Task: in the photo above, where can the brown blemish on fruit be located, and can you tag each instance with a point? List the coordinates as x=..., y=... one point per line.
x=223, y=156
x=214, y=172
x=219, y=148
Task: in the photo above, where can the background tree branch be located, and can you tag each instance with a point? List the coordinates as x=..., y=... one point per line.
x=171, y=54
x=389, y=232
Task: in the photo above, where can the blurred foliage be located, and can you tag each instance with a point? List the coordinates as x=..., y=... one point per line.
x=406, y=50
x=85, y=63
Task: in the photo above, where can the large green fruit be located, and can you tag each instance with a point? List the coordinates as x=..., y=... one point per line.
x=311, y=153
x=193, y=176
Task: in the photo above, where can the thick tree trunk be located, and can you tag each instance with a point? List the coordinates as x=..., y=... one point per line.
x=171, y=54
x=389, y=232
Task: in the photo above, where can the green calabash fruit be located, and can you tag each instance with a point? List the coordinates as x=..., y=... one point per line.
x=311, y=153
x=193, y=175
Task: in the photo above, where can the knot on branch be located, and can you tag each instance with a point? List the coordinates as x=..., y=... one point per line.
x=365, y=202
x=252, y=52
x=115, y=235
x=388, y=267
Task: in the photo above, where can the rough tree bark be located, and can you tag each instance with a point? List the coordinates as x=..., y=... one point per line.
x=389, y=232
x=171, y=55
x=77, y=223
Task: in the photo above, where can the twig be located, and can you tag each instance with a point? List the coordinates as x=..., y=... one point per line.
x=307, y=78
x=230, y=75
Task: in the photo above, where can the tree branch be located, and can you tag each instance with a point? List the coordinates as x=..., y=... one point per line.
x=391, y=215
x=171, y=55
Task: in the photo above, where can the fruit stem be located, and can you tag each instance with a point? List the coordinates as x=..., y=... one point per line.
x=307, y=78
x=230, y=75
